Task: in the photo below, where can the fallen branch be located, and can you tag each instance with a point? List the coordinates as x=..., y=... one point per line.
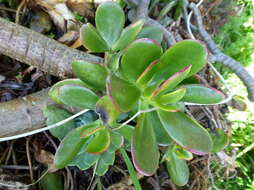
x=23, y=114
x=30, y=47
x=219, y=56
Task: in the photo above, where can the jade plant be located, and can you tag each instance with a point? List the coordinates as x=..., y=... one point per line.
x=137, y=78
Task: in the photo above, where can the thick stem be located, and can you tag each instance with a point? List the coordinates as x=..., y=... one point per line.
x=169, y=37
x=227, y=61
x=30, y=47
x=240, y=71
x=141, y=12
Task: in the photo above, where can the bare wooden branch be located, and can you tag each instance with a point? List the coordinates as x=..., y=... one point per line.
x=23, y=114
x=30, y=47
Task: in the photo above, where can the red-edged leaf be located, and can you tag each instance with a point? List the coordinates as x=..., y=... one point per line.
x=106, y=110
x=123, y=94
x=172, y=82
x=138, y=56
x=92, y=40
x=186, y=132
x=200, y=94
x=171, y=97
x=182, y=54
x=54, y=90
x=78, y=96
x=161, y=134
x=128, y=35
x=100, y=143
x=70, y=146
x=148, y=73
x=145, y=152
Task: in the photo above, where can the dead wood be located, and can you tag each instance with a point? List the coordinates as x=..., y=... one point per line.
x=23, y=114
x=30, y=47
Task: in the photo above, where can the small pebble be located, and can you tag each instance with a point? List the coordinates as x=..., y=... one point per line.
x=2, y=78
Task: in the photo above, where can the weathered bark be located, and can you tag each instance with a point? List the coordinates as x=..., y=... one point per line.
x=23, y=114
x=37, y=50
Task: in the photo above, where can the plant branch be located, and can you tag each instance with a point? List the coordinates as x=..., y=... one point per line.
x=219, y=56
x=30, y=47
x=23, y=115
x=141, y=12
x=45, y=128
x=142, y=9
x=168, y=36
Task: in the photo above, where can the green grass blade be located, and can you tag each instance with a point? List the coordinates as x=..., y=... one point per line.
x=99, y=185
x=131, y=170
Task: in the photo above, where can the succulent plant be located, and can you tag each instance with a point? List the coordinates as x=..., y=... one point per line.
x=137, y=76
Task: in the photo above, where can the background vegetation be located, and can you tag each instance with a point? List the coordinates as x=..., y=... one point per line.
x=236, y=38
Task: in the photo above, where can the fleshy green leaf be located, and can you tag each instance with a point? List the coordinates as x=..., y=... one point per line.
x=51, y=181
x=92, y=74
x=150, y=89
x=186, y=132
x=54, y=93
x=103, y=163
x=70, y=146
x=123, y=94
x=109, y=21
x=145, y=152
x=87, y=132
x=54, y=115
x=148, y=73
x=86, y=118
x=194, y=79
x=106, y=110
x=182, y=54
x=183, y=154
x=126, y=132
x=116, y=141
x=200, y=94
x=220, y=140
x=113, y=60
x=100, y=143
x=179, y=106
x=84, y=160
x=178, y=169
x=107, y=158
x=78, y=96
x=128, y=35
x=133, y=64
x=151, y=32
x=101, y=168
x=172, y=82
x=92, y=40
x=161, y=134
x=171, y=97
